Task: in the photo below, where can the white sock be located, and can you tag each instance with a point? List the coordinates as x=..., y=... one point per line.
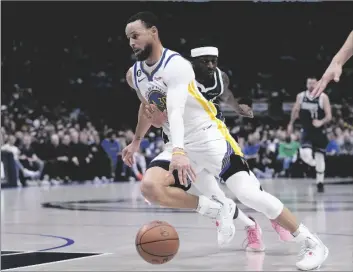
x=320, y=167
x=208, y=207
x=320, y=178
x=301, y=234
x=245, y=219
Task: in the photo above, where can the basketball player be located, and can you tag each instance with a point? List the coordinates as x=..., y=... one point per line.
x=163, y=77
x=200, y=145
x=214, y=86
x=313, y=113
x=334, y=70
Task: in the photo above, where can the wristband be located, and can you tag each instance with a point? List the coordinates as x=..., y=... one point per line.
x=179, y=153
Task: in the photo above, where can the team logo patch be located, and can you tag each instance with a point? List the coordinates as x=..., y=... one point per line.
x=157, y=98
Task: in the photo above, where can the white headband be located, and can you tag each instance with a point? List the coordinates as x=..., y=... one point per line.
x=204, y=51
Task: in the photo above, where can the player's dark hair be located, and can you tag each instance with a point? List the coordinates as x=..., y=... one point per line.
x=146, y=17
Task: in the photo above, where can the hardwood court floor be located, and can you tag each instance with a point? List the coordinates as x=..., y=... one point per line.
x=93, y=227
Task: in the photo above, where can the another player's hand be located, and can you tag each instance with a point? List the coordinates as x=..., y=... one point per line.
x=333, y=72
x=245, y=110
x=157, y=117
x=317, y=123
x=181, y=163
x=129, y=151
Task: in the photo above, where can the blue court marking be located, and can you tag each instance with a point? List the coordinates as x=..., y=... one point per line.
x=68, y=241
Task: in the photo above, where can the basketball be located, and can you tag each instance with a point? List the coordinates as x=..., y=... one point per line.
x=157, y=242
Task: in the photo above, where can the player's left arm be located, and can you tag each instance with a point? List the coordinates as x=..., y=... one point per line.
x=178, y=75
x=327, y=109
x=228, y=98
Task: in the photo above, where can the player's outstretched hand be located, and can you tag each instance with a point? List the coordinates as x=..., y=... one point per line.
x=246, y=111
x=157, y=117
x=129, y=151
x=333, y=72
x=181, y=163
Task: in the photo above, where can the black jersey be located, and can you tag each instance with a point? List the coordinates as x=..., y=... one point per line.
x=310, y=109
x=213, y=90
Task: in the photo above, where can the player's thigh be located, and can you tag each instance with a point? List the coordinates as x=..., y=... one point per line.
x=306, y=140
x=206, y=184
x=321, y=142
x=157, y=173
x=158, y=169
x=209, y=156
x=233, y=165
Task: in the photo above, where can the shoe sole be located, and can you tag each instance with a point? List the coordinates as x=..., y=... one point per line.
x=249, y=249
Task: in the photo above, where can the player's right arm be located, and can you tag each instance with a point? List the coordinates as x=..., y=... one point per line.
x=334, y=70
x=294, y=114
x=143, y=125
x=143, y=122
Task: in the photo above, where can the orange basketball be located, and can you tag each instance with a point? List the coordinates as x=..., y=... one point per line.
x=157, y=242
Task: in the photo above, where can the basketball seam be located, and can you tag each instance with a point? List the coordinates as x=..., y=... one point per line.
x=172, y=239
x=156, y=255
x=149, y=230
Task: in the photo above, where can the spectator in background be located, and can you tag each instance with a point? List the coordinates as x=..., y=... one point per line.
x=332, y=147
x=287, y=154
x=100, y=164
x=65, y=164
x=21, y=170
x=111, y=147
x=86, y=158
x=29, y=158
x=139, y=166
x=251, y=151
x=347, y=146
x=53, y=157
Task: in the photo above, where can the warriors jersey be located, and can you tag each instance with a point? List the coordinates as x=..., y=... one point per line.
x=172, y=81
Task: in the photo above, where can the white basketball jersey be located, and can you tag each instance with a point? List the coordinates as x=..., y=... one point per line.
x=199, y=113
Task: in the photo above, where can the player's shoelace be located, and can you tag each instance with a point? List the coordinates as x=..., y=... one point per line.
x=253, y=237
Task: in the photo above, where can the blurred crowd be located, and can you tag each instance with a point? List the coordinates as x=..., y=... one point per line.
x=62, y=145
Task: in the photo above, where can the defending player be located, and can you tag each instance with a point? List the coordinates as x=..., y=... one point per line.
x=313, y=114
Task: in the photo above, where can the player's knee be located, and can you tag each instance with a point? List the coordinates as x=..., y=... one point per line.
x=249, y=193
x=320, y=161
x=306, y=155
x=149, y=190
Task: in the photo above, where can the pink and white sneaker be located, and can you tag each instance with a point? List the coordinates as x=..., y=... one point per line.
x=284, y=234
x=254, y=238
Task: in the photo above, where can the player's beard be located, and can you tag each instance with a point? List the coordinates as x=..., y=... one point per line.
x=145, y=53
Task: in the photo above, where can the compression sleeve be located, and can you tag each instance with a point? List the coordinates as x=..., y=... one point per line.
x=178, y=75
